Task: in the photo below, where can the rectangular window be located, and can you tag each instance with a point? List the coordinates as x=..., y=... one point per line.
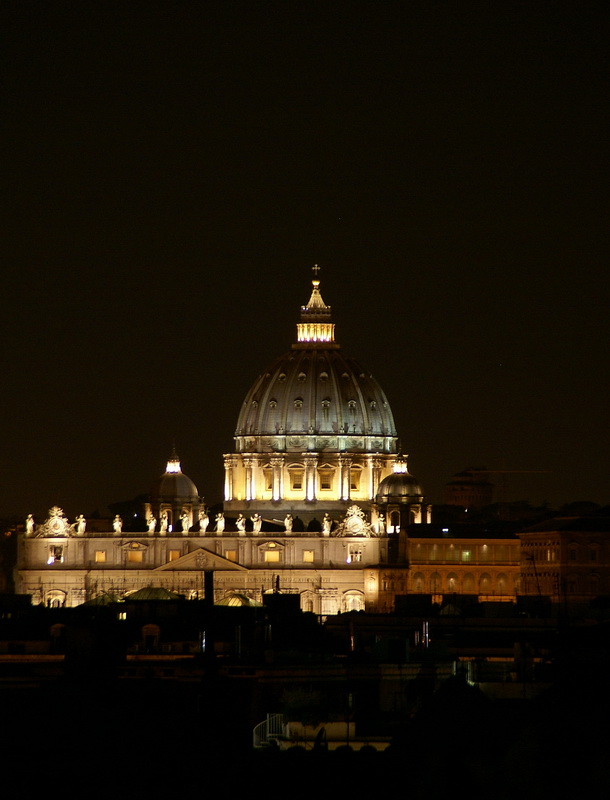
x=296, y=479
x=355, y=480
x=100, y=556
x=326, y=480
x=231, y=555
x=272, y=556
x=308, y=556
x=465, y=555
x=174, y=555
x=135, y=556
x=56, y=554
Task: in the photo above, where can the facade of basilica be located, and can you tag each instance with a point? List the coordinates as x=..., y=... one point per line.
x=318, y=503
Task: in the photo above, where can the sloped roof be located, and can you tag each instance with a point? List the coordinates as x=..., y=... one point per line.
x=153, y=593
x=583, y=524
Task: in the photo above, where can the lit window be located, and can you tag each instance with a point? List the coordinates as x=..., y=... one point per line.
x=296, y=479
x=465, y=555
x=56, y=554
x=231, y=555
x=174, y=555
x=308, y=556
x=326, y=479
x=100, y=556
x=272, y=556
x=135, y=556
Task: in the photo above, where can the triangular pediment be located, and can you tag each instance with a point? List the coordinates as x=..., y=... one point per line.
x=202, y=560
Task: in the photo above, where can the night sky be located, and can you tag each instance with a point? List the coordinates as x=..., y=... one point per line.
x=171, y=171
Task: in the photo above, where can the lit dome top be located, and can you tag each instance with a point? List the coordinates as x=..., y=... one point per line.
x=314, y=389
x=174, y=484
x=400, y=486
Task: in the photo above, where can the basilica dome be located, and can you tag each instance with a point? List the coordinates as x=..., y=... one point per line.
x=315, y=434
x=315, y=390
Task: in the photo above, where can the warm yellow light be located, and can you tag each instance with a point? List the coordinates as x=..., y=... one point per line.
x=315, y=332
x=400, y=465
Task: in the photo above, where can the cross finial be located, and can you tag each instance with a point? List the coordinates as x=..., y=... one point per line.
x=315, y=269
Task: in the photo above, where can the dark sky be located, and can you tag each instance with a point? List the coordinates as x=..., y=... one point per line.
x=171, y=171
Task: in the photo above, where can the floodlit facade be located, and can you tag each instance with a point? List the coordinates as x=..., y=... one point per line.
x=318, y=503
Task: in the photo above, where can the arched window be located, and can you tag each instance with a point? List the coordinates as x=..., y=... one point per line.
x=418, y=583
x=352, y=601
x=296, y=473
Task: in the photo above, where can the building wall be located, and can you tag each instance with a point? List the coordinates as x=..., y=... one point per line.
x=68, y=571
x=567, y=565
x=331, y=574
x=488, y=568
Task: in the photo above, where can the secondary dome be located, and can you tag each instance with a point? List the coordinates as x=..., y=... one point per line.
x=314, y=389
x=174, y=485
x=399, y=487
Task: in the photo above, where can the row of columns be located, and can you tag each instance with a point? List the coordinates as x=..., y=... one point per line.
x=310, y=464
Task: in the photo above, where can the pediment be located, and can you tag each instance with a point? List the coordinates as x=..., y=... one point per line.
x=202, y=560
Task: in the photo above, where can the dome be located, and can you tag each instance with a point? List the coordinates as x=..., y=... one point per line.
x=315, y=434
x=317, y=391
x=238, y=600
x=174, y=484
x=399, y=487
x=314, y=389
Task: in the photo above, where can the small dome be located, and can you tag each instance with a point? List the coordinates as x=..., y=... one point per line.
x=174, y=484
x=399, y=487
x=238, y=600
